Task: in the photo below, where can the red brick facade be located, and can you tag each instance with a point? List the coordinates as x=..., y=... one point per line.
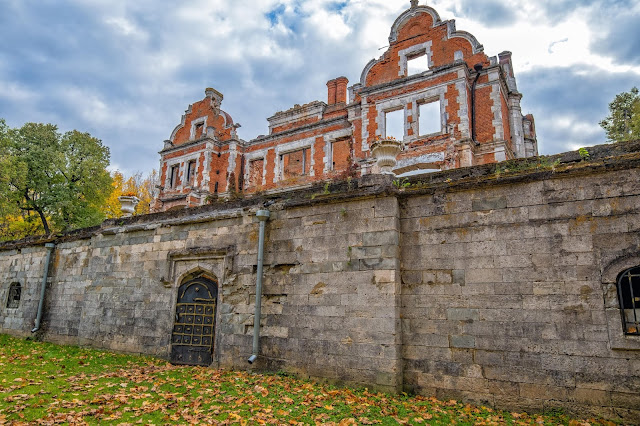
x=318, y=141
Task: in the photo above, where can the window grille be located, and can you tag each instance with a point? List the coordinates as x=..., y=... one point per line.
x=629, y=298
x=15, y=292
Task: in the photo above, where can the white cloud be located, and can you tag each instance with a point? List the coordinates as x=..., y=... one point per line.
x=126, y=27
x=141, y=63
x=16, y=92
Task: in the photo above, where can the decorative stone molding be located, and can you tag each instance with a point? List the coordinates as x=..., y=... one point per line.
x=385, y=152
x=128, y=205
x=195, y=255
x=422, y=162
x=412, y=52
x=183, y=121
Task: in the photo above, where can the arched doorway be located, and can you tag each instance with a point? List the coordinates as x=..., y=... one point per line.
x=194, y=327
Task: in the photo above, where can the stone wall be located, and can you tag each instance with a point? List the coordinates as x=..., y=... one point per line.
x=494, y=284
x=502, y=293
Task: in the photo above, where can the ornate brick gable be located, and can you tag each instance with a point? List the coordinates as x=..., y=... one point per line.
x=434, y=88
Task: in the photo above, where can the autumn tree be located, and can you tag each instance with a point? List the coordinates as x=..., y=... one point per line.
x=145, y=188
x=623, y=121
x=59, y=178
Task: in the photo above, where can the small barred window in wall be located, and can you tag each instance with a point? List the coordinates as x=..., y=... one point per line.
x=191, y=172
x=15, y=292
x=629, y=298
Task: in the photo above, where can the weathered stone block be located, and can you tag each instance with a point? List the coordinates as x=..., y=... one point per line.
x=462, y=341
x=489, y=204
x=382, y=238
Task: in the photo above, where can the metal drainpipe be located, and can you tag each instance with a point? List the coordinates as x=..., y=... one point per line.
x=263, y=216
x=478, y=68
x=45, y=275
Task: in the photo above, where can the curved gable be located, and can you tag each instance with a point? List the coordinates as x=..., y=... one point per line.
x=407, y=16
x=201, y=117
x=417, y=32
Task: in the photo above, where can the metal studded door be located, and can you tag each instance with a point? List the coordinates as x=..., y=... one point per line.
x=194, y=326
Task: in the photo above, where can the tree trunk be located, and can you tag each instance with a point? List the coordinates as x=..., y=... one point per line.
x=43, y=218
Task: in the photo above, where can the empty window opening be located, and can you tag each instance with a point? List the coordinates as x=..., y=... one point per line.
x=15, y=292
x=629, y=298
x=295, y=163
x=173, y=176
x=429, y=118
x=417, y=64
x=199, y=130
x=255, y=172
x=191, y=172
x=340, y=153
x=394, y=124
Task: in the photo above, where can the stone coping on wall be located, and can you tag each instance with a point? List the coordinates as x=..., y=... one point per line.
x=601, y=158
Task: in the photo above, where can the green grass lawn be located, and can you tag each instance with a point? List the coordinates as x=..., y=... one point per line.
x=50, y=384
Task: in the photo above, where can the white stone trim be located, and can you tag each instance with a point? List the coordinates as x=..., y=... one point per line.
x=516, y=122
x=329, y=138
x=253, y=156
x=233, y=154
x=408, y=14
x=400, y=102
x=181, y=162
x=425, y=161
x=414, y=51
x=194, y=123
x=497, y=113
x=365, y=72
x=365, y=124
x=291, y=147
x=452, y=32
x=463, y=109
x=183, y=121
x=314, y=109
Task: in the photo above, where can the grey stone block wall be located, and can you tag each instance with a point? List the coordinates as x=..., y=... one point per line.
x=500, y=291
x=502, y=294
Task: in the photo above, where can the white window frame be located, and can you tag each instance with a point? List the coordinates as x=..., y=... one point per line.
x=419, y=133
x=280, y=150
x=414, y=99
x=194, y=124
x=413, y=52
x=253, y=156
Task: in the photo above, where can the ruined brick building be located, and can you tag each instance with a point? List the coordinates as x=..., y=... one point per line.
x=434, y=88
x=512, y=285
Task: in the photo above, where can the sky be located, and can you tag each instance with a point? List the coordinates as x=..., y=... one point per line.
x=125, y=71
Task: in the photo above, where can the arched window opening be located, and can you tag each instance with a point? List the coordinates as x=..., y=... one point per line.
x=15, y=292
x=629, y=299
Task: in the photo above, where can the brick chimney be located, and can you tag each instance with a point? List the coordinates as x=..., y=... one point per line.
x=341, y=90
x=331, y=97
